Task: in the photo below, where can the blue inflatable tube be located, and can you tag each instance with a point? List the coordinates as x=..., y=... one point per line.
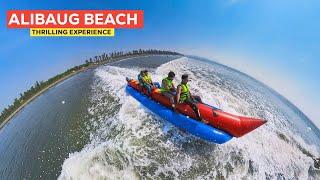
x=190, y=125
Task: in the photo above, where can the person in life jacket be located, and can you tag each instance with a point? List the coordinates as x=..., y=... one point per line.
x=145, y=80
x=184, y=96
x=168, y=89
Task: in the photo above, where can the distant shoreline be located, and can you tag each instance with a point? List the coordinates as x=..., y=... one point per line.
x=94, y=65
x=38, y=94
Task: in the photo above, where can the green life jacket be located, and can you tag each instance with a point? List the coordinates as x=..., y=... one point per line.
x=147, y=78
x=166, y=85
x=185, y=92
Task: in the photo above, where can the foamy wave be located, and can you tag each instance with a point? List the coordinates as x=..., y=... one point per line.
x=128, y=142
x=95, y=163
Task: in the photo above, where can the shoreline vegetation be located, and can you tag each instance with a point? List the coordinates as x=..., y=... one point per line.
x=41, y=86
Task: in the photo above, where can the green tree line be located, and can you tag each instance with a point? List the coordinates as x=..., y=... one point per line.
x=94, y=61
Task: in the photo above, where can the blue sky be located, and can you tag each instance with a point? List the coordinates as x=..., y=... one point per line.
x=277, y=42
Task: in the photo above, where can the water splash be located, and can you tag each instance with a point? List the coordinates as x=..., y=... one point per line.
x=128, y=142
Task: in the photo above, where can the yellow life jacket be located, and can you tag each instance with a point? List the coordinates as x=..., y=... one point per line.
x=147, y=79
x=185, y=92
x=166, y=85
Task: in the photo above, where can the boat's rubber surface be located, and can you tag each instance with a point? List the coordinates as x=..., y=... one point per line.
x=220, y=121
x=190, y=125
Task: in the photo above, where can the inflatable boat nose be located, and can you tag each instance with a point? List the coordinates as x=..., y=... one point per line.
x=249, y=124
x=128, y=79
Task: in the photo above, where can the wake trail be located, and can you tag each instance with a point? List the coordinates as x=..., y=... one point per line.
x=128, y=141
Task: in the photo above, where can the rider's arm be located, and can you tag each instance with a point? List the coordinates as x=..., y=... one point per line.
x=149, y=83
x=152, y=84
x=191, y=95
x=173, y=87
x=178, y=93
